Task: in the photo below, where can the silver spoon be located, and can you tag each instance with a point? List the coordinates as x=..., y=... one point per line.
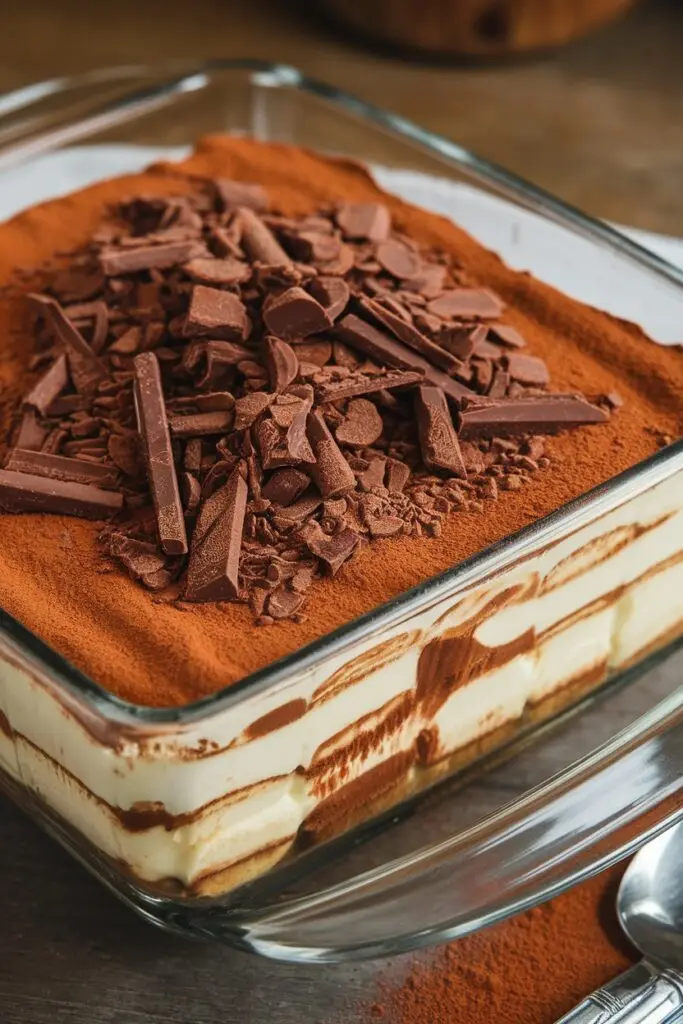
x=650, y=909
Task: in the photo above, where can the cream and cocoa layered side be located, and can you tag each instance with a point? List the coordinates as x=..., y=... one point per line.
x=292, y=397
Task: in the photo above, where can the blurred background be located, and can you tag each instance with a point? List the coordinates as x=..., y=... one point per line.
x=598, y=120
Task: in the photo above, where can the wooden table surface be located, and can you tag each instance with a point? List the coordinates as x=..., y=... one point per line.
x=601, y=124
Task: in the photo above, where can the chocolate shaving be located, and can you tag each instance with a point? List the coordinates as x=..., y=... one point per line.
x=333, y=294
x=397, y=259
x=467, y=303
x=220, y=314
x=235, y=194
x=58, y=467
x=153, y=426
x=281, y=361
x=217, y=271
x=438, y=439
x=363, y=384
x=27, y=492
x=330, y=471
x=285, y=486
x=409, y=335
x=506, y=335
x=332, y=551
x=365, y=222
x=212, y=574
x=146, y=257
x=537, y=414
x=201, y=424
x=259, y=241
x=363, y=336
x=294, y=314
x=527, y=370
x=48, y=387
x=362, y=426
x=87, y=370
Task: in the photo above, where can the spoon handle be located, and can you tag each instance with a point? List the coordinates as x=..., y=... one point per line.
x=642, y=994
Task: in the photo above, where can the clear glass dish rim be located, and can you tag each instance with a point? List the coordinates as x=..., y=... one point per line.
x=183, y=76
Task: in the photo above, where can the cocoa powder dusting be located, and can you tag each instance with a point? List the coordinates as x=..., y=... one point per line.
x=532, y=968
x=159, y=652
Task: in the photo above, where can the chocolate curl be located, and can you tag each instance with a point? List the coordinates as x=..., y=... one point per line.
x=259, y=241
x=331, y=472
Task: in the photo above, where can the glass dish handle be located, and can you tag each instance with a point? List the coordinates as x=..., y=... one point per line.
x=572, y=826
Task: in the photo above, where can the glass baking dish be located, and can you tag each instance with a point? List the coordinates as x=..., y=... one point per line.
x=485, y=858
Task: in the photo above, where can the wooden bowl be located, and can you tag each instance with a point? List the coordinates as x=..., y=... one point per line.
x=474, y=27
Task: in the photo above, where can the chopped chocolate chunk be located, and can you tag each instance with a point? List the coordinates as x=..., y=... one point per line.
x=364, y=384
x=397, y=259
x=499, y=384
x=212, y=573
x=201, y=424
x=429, y=281
x=409, y=335
x=285, y=486
x=283, y=603
x=123, y=450
x=250, y=407
x=49, y=386
x=332, y=551
x=384, y=525
x=613, y=400
x=217, y=271
x=28, y=492
x=364, y=222
x=146, y=257
x=373, y=475
x=143, y=560
x=127, y=343
x=330, y=471
x=281, y=361
x=301, y=509
x=384, y=349
x=217, y=313
x=527, y=370
x=235, y=194
x=58, y=467
x=315, y=350
x=332, y=293
x=259, y=241
x=438, y=439
x=397, y=475
x=344, y=356
x=508, y=336
x=294, y=314
x=466, y=304
x=513, y=416
x=153, y=426
x=362, y=425
x=87, y=369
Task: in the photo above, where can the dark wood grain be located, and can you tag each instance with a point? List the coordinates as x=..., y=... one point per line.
x=602, y=125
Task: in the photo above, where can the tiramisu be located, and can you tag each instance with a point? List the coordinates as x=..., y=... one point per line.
x=248, y=398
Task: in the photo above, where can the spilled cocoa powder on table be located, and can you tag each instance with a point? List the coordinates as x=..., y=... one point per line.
x=529, y=970
x=52, y=573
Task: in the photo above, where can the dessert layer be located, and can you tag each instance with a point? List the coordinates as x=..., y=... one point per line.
x=212, y=803
x=164, y=654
